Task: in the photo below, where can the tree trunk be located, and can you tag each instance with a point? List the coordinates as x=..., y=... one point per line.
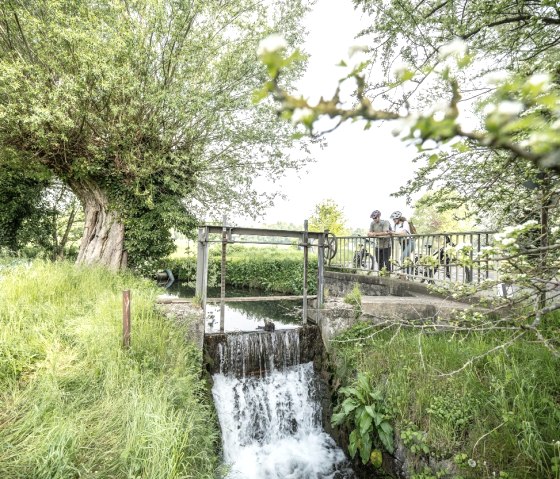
x=103, y=238
x=64, y=240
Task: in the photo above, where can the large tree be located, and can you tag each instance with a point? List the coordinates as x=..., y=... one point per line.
x=143, y=108
x=20, y=193
x=327, y=215
x=515, y=37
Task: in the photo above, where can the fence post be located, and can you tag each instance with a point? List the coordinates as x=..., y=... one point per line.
x=202, y=267
x=321, y=272
x=126, y=319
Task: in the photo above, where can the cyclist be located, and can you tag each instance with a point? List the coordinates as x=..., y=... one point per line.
x=402, y=230
x=381, y=229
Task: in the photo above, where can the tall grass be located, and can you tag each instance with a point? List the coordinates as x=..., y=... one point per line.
x=501, y=411
x=73, y=403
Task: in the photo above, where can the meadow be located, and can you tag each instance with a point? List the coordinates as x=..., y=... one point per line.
x=74, y=403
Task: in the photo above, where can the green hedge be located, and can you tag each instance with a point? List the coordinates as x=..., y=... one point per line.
x=269, y=269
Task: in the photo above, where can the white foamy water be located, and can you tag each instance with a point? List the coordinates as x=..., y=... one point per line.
x=271, y=427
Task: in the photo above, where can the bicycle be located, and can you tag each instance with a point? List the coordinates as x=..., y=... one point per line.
x=428, y=265
x=362, y=258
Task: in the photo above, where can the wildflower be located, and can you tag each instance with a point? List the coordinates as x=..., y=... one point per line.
x=537, y=138
x=356, y=49
x=540, y=80
x=398, y=69
x=496, y=77
x=508, y=241
x=271, y=44
x=471, y=462
x=489, y=109
x=455, y=48
x=404, y=125
x=438, y=106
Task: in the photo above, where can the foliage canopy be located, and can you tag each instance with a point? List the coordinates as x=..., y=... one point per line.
x=143, y=109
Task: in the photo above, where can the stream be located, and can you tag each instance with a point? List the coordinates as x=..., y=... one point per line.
x=271, y=420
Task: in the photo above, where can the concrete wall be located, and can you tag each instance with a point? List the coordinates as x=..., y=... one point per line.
x=310, y=349
x=339, y=284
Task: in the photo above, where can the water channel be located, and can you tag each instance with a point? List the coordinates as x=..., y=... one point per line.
x=271, y=420
x=244, y=315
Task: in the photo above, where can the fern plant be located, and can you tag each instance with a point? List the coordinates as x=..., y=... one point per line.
x=363, y=410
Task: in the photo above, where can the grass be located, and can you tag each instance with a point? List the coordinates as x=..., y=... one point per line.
x=73, y=403
x=501, y=412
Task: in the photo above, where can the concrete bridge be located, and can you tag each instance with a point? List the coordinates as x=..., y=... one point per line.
x=383, y=299
x=402, y=293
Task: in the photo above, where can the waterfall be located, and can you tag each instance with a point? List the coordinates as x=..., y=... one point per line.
x=269, y=411
x=246, y=354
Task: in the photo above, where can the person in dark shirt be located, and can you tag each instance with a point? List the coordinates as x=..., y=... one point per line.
x=381, y=229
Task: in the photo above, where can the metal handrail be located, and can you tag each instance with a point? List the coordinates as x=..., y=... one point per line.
x=435, y=257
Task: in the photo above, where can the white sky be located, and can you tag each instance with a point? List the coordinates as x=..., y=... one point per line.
x=358, y=168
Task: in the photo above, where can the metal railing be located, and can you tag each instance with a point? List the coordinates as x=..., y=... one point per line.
x=431, y=258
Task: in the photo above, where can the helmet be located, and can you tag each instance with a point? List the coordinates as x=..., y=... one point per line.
x=375, y=214
x=395, y=215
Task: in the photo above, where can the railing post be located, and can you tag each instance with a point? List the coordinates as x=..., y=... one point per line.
x=202, y=268
x=126, y=319
x=305, y=266
x=223, y=277
x=320, y=273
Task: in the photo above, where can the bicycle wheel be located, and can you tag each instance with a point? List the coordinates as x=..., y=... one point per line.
x=329, y=251
x=368, y=262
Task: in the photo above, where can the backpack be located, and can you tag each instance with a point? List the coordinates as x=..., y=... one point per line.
x=412, y=228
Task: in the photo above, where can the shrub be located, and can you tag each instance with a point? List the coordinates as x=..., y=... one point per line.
x=269, y=269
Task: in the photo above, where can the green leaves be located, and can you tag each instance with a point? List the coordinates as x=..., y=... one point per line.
x=363, y=409
x=328, y=215
x=365, y=423
x=147, y=102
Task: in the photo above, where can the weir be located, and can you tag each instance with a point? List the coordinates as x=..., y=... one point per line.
x=259, y=353
x=268, y=399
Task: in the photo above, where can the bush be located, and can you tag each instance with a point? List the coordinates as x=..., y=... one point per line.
x=269, y=269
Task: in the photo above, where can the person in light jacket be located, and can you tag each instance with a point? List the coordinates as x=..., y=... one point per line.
x=401, y=229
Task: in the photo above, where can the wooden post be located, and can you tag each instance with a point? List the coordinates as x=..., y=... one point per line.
x=223, y=275
x=305, y=265
x=126, y=319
